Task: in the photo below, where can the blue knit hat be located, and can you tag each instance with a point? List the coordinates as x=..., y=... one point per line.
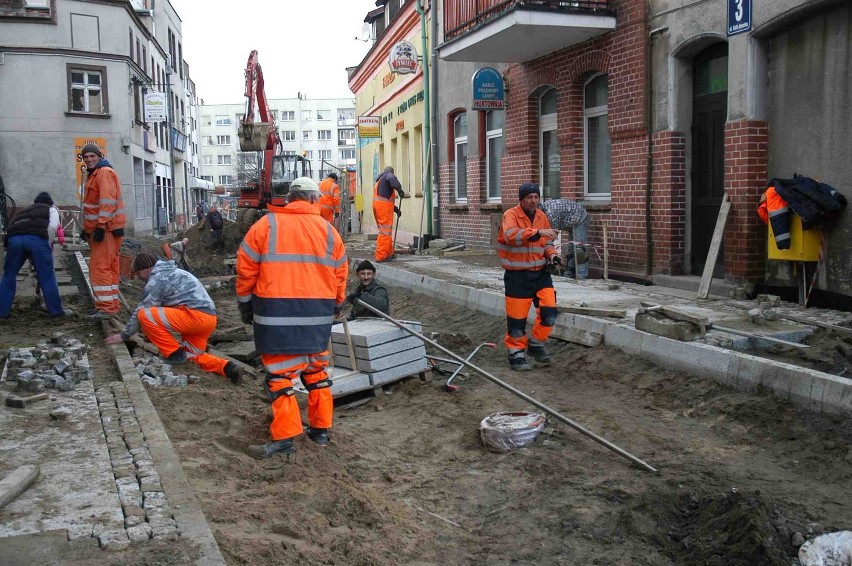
x=526, y=189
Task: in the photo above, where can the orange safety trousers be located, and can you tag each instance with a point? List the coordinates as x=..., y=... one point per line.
x=383, y=211
x=194, y=327
x=283, y=369
x=103, y=272
x=517, y=310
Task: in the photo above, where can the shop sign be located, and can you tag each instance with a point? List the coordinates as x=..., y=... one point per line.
x=155, y=107
x=369, y=127
x=403, y=58
x=488, y=91
x=78, y=159
x=739, y=16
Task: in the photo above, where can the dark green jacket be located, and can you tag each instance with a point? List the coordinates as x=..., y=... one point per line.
x=374, y=295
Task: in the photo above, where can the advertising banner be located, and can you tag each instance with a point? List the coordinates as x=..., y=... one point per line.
x=155, y=107
x=369, y=126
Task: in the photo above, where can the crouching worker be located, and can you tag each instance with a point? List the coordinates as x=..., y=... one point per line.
x=174, y=301
x=291, y=282
x=370, y=291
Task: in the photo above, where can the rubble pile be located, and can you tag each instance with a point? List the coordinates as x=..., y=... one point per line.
x=155, y=373
x=60, y=364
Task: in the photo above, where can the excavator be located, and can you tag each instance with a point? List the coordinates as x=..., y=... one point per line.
x=257, y=132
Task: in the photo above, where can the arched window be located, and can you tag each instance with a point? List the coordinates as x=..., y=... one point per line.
x=548, y=161
x=493, y=152
x=460, y=146
x=597, y=149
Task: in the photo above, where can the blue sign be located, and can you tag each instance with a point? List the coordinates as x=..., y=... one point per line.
x=739, y=16
x=488, y=92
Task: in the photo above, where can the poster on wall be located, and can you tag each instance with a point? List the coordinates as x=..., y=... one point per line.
x=78, y=159
x=369, y=126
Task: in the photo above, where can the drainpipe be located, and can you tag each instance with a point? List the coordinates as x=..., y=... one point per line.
x=427, y=114
x=434, y=151
x=649, y=124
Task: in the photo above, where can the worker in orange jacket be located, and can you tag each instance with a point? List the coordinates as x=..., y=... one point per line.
x=525, y=247
x=329, y=201
x=103, y=228
x=384, y=193
x=291, y=283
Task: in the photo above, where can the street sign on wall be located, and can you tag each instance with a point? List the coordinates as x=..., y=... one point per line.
x=739, y=16
x=369, y=127
x=488, y=91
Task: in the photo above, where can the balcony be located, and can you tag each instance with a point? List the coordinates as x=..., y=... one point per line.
x=515, y=31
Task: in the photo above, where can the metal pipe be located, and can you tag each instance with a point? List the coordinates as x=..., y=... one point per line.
x=516, y=392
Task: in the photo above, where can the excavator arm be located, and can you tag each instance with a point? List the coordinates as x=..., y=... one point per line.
x=259, y=135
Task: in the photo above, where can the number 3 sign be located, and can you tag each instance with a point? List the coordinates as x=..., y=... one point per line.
x=739, y=16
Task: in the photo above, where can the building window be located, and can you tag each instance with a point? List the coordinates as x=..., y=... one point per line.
x=549, y=163
x=208, y=140
x=345, y=116
x=323, y=134
x=207, y=178
x=223, y=120
x=288, y=115
x=346, y=135
x=223, y=140
x=207, y=160
x=325, y=154
x=288, y=152
x=597, y=149
x=308, y=154
x=493, y=152
x=224, y=159
x=323, y=114
x=308, y=135
x=346, y=154
x=307, y=115
x=206, y=120
x=225, y=179
x=288, y=135
x=460, y=147
x=87, y=89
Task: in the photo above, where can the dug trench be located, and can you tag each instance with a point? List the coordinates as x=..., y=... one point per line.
x=743, y=478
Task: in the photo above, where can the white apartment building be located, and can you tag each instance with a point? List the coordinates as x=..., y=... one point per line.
x=322, y=129
x=75, y=72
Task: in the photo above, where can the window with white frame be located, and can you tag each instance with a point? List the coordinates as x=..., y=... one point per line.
x=288, y=152
x=206, y=120
x=223, y=120
x=460, y=148
x=208, y=140
x=87, y=89
x=288, y=115
x=224, y=159
x=207, y=178
x=307, y=135
x=347, y=134
x=549, y=161
x=207, y=160
x=288, y=135
x=323, y=114
x=597, y=148
x=323, y=134
x=325, y=154
x=307, y=115
x=347, y=154
x=225, y=179
x=493, y=152
x=223, y=140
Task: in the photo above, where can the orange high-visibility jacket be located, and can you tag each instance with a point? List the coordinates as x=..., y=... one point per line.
x=292, y=267
x=329, y=197
x=773, y=209
x=516, y=250
x=102, y=202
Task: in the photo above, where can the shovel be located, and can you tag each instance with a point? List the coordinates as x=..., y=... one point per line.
x=396, y=229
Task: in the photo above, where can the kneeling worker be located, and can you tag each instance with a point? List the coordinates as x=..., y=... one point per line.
x=370, y=291
x=175, y=301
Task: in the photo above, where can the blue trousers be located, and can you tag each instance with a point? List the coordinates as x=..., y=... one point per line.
x=21, y=248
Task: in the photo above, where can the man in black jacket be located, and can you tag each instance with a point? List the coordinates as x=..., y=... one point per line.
x=216, y=224
x=370, y=291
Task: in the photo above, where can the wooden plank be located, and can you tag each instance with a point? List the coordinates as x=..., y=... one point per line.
x=17, y=482
x=591, y=311
x=713, y=252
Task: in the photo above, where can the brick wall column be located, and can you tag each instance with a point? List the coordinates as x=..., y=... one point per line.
x=746, y=157
x=668, y=204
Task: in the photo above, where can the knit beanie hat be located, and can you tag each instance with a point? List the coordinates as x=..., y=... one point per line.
x=528, y=188
x=91, y=148
x=44, y=198
x=365, y=265
x=143, y=261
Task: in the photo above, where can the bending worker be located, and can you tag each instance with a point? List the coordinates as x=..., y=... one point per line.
x=525, y=247
x=291, y=282
x=174, y=301
x=329, y=201
x=103, y=227
x=565, y=214
x=370, y=291
x=384, y=193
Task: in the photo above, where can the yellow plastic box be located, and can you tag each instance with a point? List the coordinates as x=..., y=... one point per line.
x=804, y=244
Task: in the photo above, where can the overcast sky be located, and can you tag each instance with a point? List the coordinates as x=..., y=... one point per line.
x=303, y=45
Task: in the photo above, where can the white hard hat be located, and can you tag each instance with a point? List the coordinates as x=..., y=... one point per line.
x=304, y=184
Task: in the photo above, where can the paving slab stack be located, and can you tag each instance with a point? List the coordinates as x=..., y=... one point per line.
x=384, y=353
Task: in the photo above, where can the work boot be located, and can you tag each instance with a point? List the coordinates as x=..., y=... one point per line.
x=65, y=312
x=518, y=362
x=233, y=372
x=264, y=451
x=176, y=358
x=539, y=354
x=318, y=435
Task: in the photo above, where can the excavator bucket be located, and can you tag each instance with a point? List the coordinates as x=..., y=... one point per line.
x=254, y=137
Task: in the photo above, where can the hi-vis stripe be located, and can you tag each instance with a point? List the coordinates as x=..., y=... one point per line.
x=105, y=292
x=514, y=233
x=191, y=351
x=273, y=257
x=284, y=366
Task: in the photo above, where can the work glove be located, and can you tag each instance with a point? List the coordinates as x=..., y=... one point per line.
x=98, y=234
x=397, y=211
x=352, y=297
x=246, y=312
x=84, y=236
x=555, y=260
x=401, y=193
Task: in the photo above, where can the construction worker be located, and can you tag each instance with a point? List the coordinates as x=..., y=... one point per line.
x=217, y=225
x=384, y=193
x=177, y=250
x=566, y=214
x=291, y=282
x=174, y=301
x=103, y=228
x=329, y=198
x=370, y=291
x=29, y=237
x=525, y=246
